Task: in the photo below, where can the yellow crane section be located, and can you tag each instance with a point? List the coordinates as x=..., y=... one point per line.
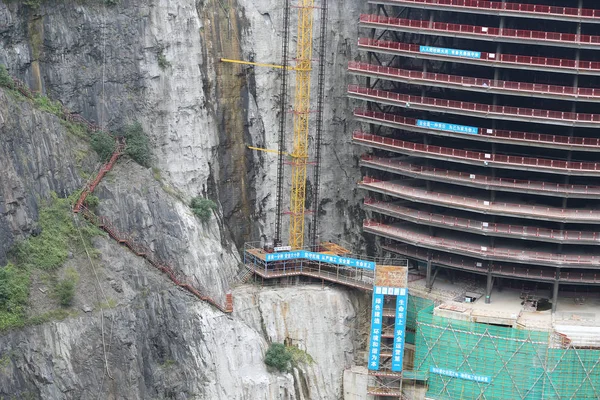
x=257, y=64
x=267, y=150
x=301, y=113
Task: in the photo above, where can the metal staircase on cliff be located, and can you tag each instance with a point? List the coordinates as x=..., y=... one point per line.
x=137, y=248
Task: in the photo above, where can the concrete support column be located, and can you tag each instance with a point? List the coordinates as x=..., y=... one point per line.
x=490, y=285
x=555, y=291
x=428, y=277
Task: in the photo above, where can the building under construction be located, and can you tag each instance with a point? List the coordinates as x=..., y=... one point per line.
x=480, y=129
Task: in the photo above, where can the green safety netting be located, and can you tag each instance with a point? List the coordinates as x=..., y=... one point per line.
x=518, y=364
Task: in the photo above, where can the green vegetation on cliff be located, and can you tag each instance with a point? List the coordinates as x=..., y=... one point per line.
x=278, y=357
x=284, y=358
x=137, y=144
x=203, y=208
x=5, y=79
x=46, y=252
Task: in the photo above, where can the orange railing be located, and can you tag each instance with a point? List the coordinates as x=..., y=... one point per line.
x=574, y=167
x=509, y=59
x=489, y=228
x=516, y=8
x=313, y=272
x=106, y=167
x=480, y=32
x=484, y=110
x=478, y=250
x=483, y=180
x=470, y=264
x=503, y=135
x=463, y=81
x=406, y=191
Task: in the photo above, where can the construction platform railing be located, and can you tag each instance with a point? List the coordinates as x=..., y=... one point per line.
x=481, y=32
x=521, y=256
x=502, y=8
x=483, y=134
x=353, y=276
x=475, y=109
x=355, y=281
x=497, y=268
x=498, y=60
x=477, y=180
x=471, y=157
x=482, y=227
x=473, y=84
x=406, y=191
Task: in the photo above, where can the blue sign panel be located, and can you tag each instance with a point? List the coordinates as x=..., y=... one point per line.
x=288, y=255
x=449, y=52
x=443, y=126
x=328, y=258
x=375, y=338
x=461, y=375
x=399, y=330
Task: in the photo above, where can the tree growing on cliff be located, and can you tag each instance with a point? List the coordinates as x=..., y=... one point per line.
x=137, y=144
x=5, y=79
x=64, y=290
x=103, y=144
x=278, y=357
x=203, y=208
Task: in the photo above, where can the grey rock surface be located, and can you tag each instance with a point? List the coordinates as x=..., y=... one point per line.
x=160, y=342
x=37, y=157
x=103, y=61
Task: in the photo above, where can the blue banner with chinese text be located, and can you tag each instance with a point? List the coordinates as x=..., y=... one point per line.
x=375, y=337
x=399, y=330
x=449, y=52
x=328, y=258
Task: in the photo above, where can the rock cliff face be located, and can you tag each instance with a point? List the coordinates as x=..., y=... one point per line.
x=37, y=156
x=161, y=343
x=157, y=62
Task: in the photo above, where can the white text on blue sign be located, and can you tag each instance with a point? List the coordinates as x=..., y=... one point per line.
x=375, y=337
x=399, y=331
x=328, y=258
x=460, y=375
x=449, y=52
x=443, y=126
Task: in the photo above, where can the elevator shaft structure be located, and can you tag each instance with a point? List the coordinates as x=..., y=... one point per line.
x=301, y=112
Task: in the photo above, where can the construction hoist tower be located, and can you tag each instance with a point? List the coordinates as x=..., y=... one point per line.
x=301, y=114
x=301, y=122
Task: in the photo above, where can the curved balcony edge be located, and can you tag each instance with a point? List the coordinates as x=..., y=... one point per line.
x=506, y=35
x=481, y=206
x=482, y=252
x=478, y=85
x=491, y=60
x=447, y=260
x=477, y=181
x=520, y=163
x=477, y=110
x=481, y=227
x=483, y=135
x=518, y=10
